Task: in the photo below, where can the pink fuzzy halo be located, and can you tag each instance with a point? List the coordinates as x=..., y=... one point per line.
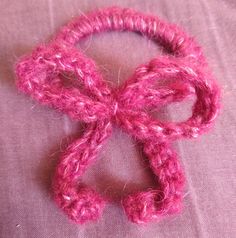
x=96, y=104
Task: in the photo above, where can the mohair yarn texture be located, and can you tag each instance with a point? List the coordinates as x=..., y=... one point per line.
x=100, y=107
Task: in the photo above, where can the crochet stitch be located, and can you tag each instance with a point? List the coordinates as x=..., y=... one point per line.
x=99, y=106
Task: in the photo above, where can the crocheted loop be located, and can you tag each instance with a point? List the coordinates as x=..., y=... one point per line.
x=95, y=103
x=39, y=75
x=141, y=92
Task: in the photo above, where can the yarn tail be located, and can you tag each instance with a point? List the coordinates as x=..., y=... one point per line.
x=79, y=202
x=153, y=204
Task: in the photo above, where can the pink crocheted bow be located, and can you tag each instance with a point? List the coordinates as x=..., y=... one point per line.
x=96, y=104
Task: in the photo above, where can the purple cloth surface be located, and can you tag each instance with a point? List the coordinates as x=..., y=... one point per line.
x=32, y=136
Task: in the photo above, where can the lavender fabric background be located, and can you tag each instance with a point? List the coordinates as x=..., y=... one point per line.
x=32, y=136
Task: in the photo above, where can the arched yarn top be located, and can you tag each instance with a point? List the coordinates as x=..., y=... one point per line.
x=99, y=106
x=122, y=19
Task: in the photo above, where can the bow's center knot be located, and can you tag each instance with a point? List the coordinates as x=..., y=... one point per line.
x=114, y=108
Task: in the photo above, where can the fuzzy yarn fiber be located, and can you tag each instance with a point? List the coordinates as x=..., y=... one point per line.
x=127, y=106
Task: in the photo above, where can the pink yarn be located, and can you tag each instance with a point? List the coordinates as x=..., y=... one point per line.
x=96, y=104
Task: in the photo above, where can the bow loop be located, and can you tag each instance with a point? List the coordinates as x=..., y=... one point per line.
x=185, y=79
x=39, y=75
